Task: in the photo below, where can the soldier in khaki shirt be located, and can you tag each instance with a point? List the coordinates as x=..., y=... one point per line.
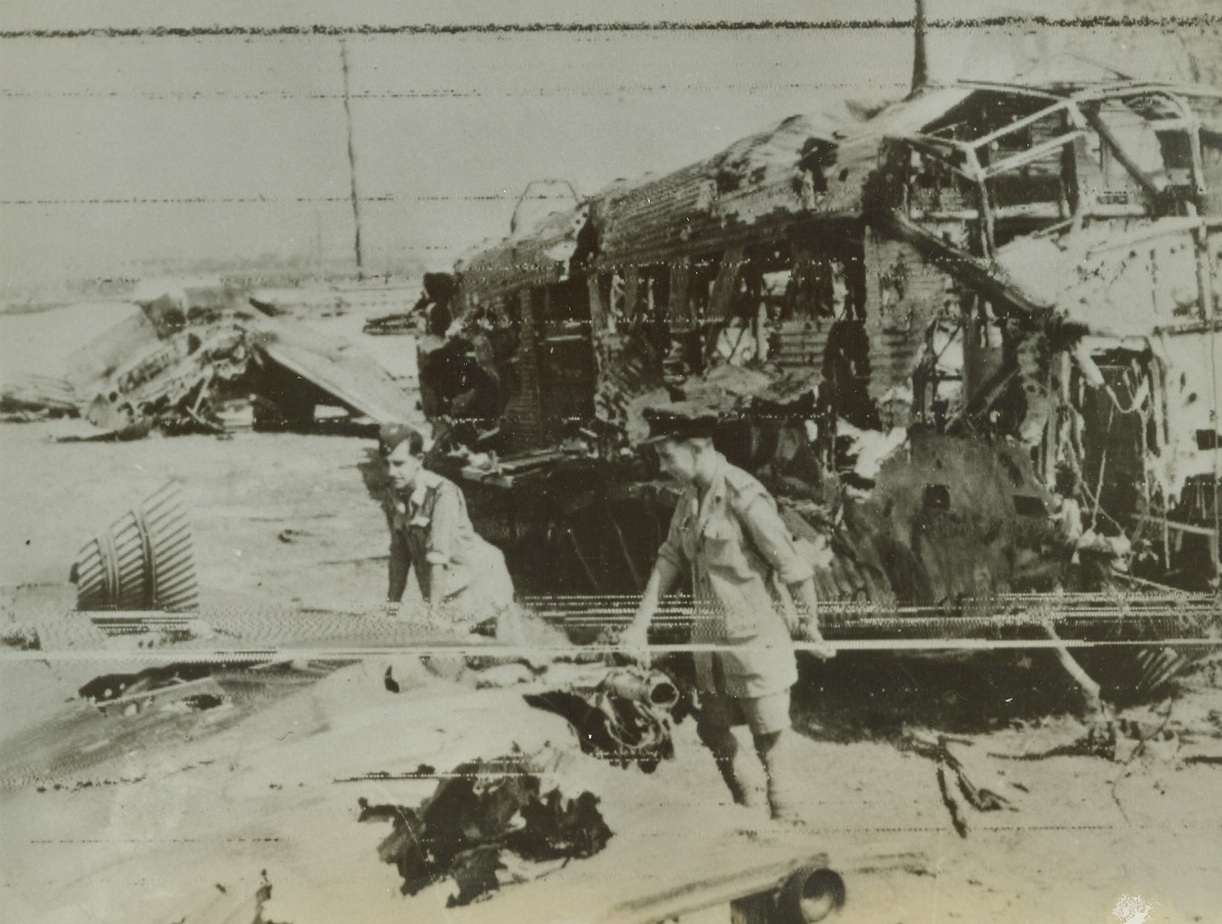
x=727, y=532
x=463, y=578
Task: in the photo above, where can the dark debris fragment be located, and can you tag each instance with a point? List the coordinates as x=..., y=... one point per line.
x=479, y=811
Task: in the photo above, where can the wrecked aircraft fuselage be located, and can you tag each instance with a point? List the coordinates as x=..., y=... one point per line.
x=970, y=342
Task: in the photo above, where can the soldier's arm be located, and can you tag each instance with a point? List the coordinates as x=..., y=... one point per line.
x=666, y=570
x=443, y=526
x=772, y=539
x=400, y=565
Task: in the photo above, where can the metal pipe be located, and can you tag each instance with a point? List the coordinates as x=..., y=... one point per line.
x=654, y=688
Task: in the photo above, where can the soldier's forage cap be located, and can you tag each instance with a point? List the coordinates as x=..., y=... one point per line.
x=682, y=420
x=391, y=435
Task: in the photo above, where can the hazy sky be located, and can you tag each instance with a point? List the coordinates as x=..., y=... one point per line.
x=121, y=153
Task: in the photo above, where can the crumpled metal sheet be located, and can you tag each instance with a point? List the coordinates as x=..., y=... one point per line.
x=1113, y=284
x=336, y=366
x=161, y=365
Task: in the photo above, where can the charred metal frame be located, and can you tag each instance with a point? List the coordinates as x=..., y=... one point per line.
x=916, y=221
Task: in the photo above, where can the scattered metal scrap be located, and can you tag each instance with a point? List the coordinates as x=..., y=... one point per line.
x=483, y=813
x=191, y=351
x=952, y=779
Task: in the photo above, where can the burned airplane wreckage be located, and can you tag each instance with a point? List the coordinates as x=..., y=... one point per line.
x=195, y=352
x=970, y=341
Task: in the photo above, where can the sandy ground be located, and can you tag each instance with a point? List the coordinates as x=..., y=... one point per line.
x=168, y=816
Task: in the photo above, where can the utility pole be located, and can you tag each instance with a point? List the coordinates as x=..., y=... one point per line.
x=356, y=202
x=920, y=58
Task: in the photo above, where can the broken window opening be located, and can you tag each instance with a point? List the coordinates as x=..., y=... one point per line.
x=1208, y=439
x=1176, y=149
x=936, y=497
x=937, y=381
x=936, y=191
x=774, y=303
x=1029, y=505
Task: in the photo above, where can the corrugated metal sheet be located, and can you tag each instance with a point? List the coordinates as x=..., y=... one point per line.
x=757, y=181
x=629, y=367
x=535, y=255
x=904, y=293
x=716, y=202
x=803, y=343
x=524, y=414
x=756, y=177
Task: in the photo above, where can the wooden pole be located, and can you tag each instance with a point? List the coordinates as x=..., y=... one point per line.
x=356, y=202
x=920, y=57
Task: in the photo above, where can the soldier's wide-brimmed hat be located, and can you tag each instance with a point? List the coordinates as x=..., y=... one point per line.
x=680, y=420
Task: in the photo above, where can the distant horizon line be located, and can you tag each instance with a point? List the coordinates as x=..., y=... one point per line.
x=219, y=31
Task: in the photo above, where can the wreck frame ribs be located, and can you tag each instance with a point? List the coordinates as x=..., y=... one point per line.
x=959, y=339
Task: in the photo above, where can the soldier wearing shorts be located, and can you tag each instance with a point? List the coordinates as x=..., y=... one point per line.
x=726, y=532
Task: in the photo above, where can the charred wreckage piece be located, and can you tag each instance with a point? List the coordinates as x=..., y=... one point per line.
x=969, y=340
x=625, y=718
x=481, y=813
x=195, y=350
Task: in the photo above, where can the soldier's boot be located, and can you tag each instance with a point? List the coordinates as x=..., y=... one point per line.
x=775, y=755
x=721, y=741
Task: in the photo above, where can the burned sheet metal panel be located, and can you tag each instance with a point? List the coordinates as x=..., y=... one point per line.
x=523, y=413
x=761, y=179
x=630, y=367
x=98, y=360
x=809, y=167
x=532, y=316
x=535, y=254
x=905, y=296
x=167, y=382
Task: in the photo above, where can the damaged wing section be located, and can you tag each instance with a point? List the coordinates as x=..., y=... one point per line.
x=175, y=365
x=29, y=397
